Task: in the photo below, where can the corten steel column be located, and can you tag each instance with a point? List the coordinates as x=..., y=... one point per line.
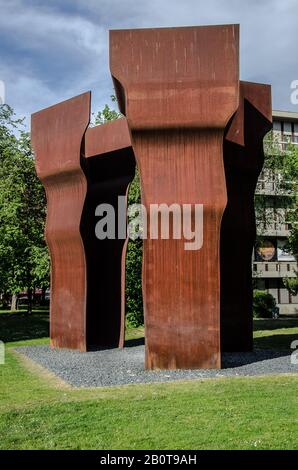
x=243, y=159
x=57, y=134
x=80, y=170
x=109, y=167
x=178, y=88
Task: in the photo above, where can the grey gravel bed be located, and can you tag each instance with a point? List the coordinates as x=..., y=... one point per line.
x=126, y=366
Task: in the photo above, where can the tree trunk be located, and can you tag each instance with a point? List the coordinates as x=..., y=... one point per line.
x=30, y=301
x=14, y=302
x=5, y=300
x=43, y=296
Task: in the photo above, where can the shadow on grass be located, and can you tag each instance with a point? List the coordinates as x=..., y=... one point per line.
x=280, y=342
x=21, y=327
x=275, y=324
x=231, y=360
x=129, y=343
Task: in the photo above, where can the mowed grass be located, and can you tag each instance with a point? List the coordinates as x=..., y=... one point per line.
x=19, y=329
x=275, y=334
x=37, y=411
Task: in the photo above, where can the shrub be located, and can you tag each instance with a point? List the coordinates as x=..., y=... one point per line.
x=134, y=300
x=134, y=255
x=263, y=304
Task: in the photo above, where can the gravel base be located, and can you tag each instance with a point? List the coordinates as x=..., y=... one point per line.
x=126, y=366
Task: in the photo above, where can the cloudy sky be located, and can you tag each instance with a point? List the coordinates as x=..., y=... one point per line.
x=52, y=50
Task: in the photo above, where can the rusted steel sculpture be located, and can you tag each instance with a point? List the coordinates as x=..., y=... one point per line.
x=198, y=139
x=80, y=170
x=178, y=88
x=243, y=159
x=57, y=134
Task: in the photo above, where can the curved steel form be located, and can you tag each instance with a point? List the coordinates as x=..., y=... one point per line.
x=197, y=134
x=178, y=102
x=57, y=134
x=109, y=168
x=243, y=159
x=80, y=170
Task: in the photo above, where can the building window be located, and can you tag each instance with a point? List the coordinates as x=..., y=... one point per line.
x=295, y=133
x=287, y=127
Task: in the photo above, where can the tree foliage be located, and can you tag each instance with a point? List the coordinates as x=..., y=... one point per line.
x=263, y=304
x=134, y=257
x=107, y=114
x=24, y=258
x=282, y=165
x=24, y=261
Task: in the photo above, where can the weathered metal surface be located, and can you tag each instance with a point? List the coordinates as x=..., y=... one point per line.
x=243, y=159
x=109, y=168
x=57, y=134
x=87, y=275
x=109, y=137
x=178, y=88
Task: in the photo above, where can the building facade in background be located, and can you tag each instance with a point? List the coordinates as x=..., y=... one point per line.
x=271, y=262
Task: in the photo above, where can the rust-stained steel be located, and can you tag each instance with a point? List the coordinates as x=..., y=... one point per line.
x=243, y=159
x=178, y=88
x=57, y=133
x=80, y=170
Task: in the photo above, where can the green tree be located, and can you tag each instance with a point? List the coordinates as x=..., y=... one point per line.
x=107, y=114
x=134, y=257
x=24, y=258
x=283, y=165
x=263, y=304
x=291, y=178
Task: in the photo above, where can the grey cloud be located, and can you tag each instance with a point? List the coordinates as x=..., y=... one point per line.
x=59, y=48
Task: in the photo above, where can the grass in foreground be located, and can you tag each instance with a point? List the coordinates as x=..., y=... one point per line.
x=238, y=413
x=39, y=412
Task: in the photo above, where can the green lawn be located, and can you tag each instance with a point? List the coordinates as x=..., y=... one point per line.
x=37, y=411
x=275, y=334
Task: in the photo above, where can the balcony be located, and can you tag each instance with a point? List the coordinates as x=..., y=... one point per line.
x=274, y=269
x=272, y=188
x=274, y=230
